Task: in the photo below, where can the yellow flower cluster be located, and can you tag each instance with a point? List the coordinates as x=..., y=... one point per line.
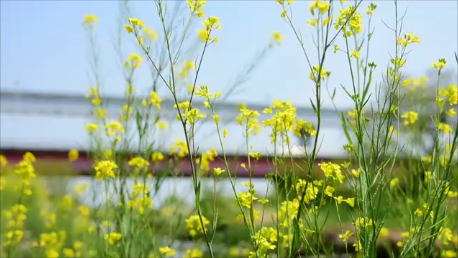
x=206, y=158
x=105, y=168
x=349, y=20
x=139, y=198
x=282, y=119
x=445, y=128
x=94, y=94
x=91, y=128
x=413, y=83
x=440, y=64
x=196, y=7
x=134, y=61
x=188, y=65
x=276, y=37
x=49, y=218
x=193, y=253
x=179, y=148
x=204, y=93
x=25, y=170
x=136, y=26
x=410, y=117
x=311, y=191
x=112, y=238
x=194, y=225
x=332, y=170
x=313, y=74
x=52, y=242
x=408, y=39
x=363, y=222
x=139, y=163
x=89, y=20
x=75, y=252
x=265, y=240
x=251, y=122
x=211, y=24
x=449, y=94
x=189, y=115
x=114, y=128
x=167, y=251
x=15, y=217
x=322, y=6
x=247, y=198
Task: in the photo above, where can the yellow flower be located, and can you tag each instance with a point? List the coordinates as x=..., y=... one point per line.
x=138, y=162
x=276, y=37
x=418, y=213
x=313, y=74
x=211, y=24
x=394, y=182
x=452, y=194
x=354, y=54
x=104, y=168
x=3, y=161
x=218, y=171
x=350, y=202
x=195, y=6
x=449, y=254
x=325, y=21
x=332, y=170
x=167, y=251
x=113, y=128
x=410, y=117
x=79, y=189
x=193, y=253
x=440, y=64
x=155, y=100
x=407, y=40
x=363, y=222
x=13, y=237
x=312, y=22
x=225, y=133
x=384, y=232
x=370, y=9
x=136, y=22
x=135, y=61
x=355, y=172
x=68, y=252
x=89, y=20
x=84, y=210
x=25, y=170
x=349, y=21
x=451, y=112
x=150, y=34
x=91, y=127
x=73, y=155
x=29, y=157
x=444, y=128
x=157, y=156
x=112, y=238
x=345, y=236
x=329, y=190
x=322, y=6
x=180, y=148
x=77, y=245
x=51, y=253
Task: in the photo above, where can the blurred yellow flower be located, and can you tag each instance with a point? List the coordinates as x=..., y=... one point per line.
x=73, y=155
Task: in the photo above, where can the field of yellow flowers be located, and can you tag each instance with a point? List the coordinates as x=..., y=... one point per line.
x=384, y=200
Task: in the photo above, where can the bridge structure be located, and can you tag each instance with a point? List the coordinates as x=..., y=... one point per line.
x=32, y=104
